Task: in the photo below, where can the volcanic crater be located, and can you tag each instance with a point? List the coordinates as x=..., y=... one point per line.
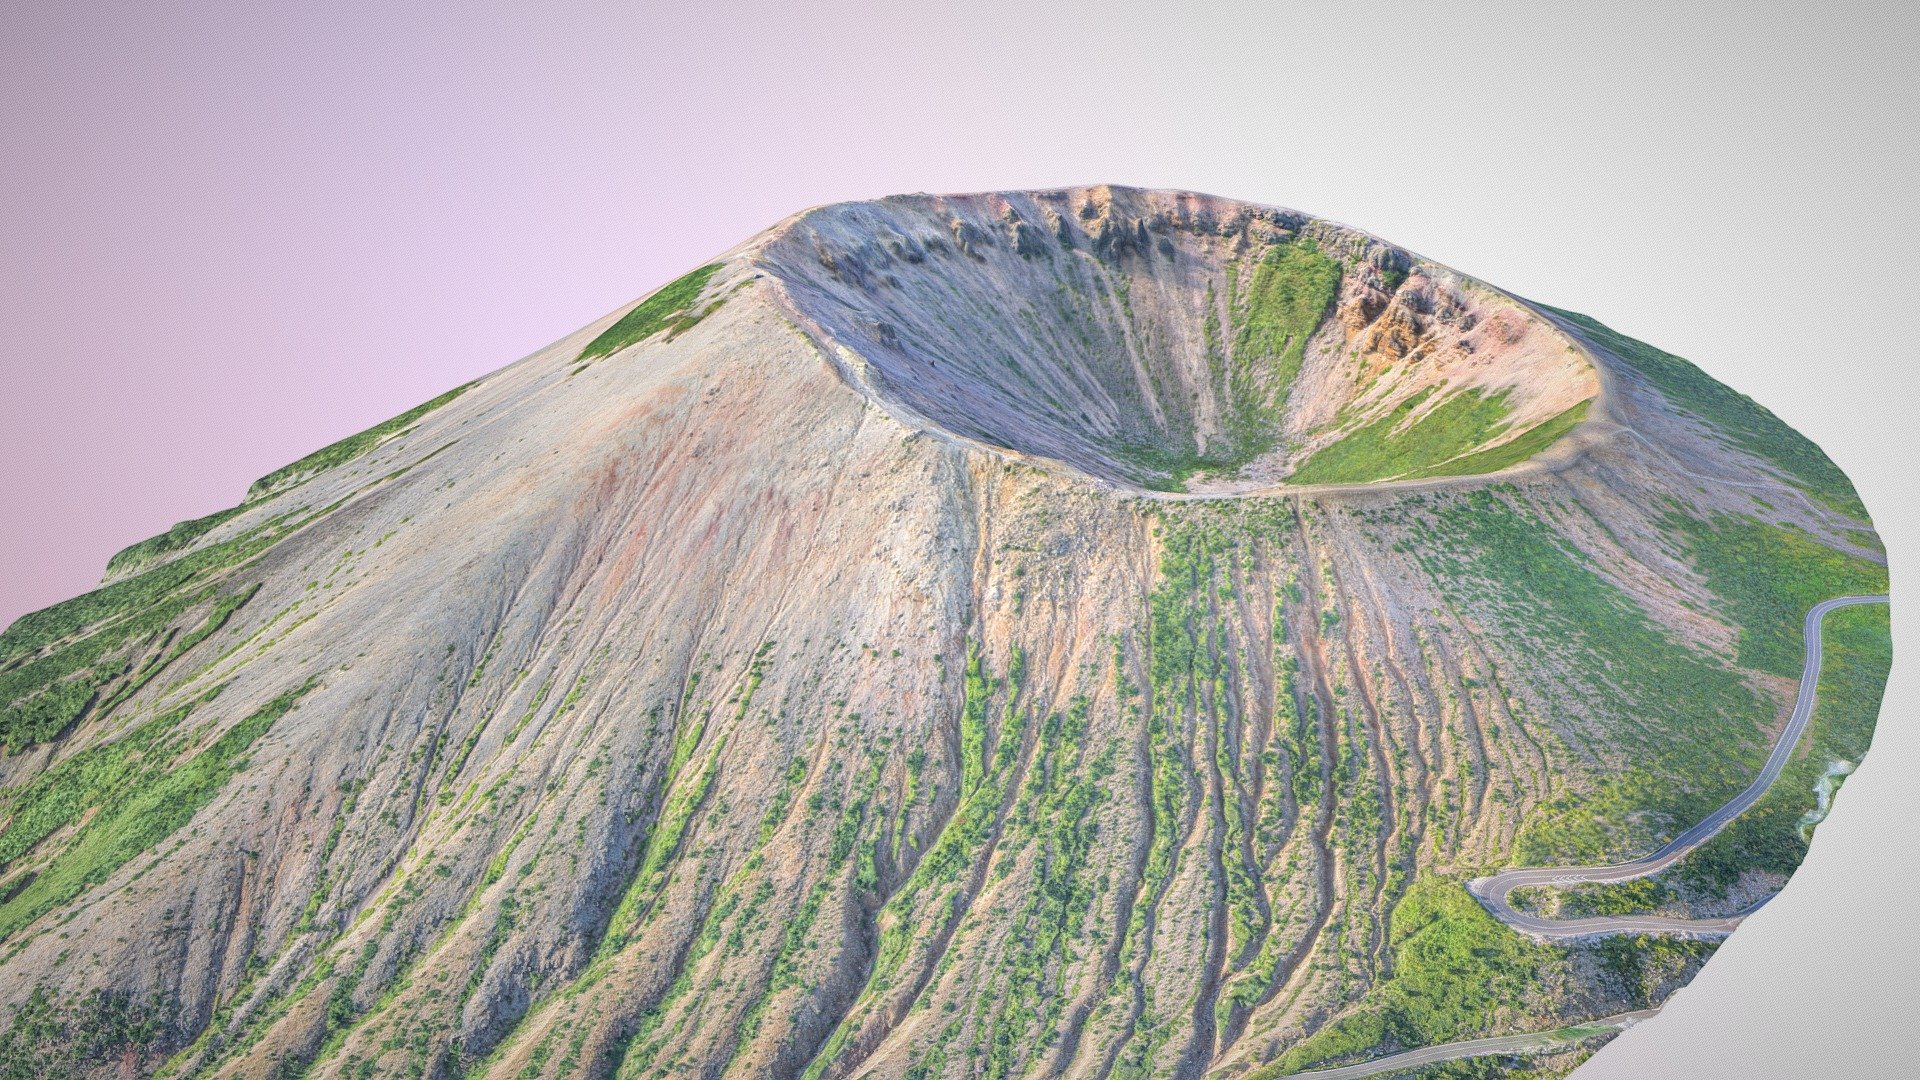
x=1237, y=347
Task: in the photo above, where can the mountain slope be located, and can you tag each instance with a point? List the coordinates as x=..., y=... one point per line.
x=1077, y=633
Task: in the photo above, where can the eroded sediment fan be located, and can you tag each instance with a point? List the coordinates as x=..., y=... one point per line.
x=1084, y=633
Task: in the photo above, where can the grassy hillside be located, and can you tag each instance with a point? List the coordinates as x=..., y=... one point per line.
x=1772, y=837
x=1741, y=420
x=667, y=307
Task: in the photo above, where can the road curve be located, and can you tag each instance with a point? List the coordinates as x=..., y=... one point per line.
x=1499, y=1044
x=1494, y=892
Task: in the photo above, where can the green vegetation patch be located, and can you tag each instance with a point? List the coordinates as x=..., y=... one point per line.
x=1441, y=443
x=1383, y=449
x=53, y=1037
x=931, y=900
x=59, y=662
x=182, y=534
x=1456, y=975
x=1513, y=451
x=62, y=794
x=1769, y=577
x=1459, y=974
x=1162, y=467
x=1287, y=297
x=1743, y=421
x=1856, y=653
x=1695, y=724
x=1645, y=966
x=42, y=699
x=666, y=308
x=1636, y=897
x=36, y=630
x=679, y=802
x=1053, y=815
x=348, y=448
x=139, y=817
x=1566, y=1054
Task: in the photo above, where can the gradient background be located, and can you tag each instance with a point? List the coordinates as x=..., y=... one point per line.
x=233, y=232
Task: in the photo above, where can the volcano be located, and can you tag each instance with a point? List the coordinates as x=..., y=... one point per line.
x=1091, y=633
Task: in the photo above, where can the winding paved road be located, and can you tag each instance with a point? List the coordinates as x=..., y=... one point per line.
x=1499, y=1044
x=1495, y=891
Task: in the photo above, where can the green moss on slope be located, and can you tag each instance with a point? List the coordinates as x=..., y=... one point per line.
x=1513, y=451
x=1053, y=814
x=53, y=1037
x=182, y=534
x=1699, y=722
x=1288, y=294
x=84, y=656
x=61, y=661
x=143, y=816
x=1768, y=578
x=347, y=449
x=1287, y=297
x=666, y=307
x=1380, y=451
x=1456, y=975
x=1441, y=443
x=932, y=899
x=88, y=612
x=59, y=796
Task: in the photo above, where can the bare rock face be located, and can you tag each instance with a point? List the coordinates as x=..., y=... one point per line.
x=1084, y=633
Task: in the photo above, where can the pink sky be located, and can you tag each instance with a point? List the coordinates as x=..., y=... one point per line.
x=233, y=232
